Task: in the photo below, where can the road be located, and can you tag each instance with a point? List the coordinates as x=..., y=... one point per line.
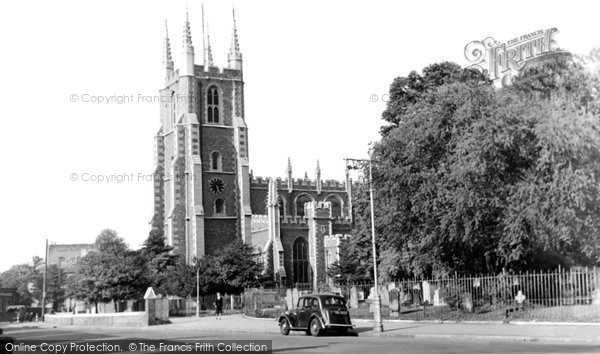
x=300, y=343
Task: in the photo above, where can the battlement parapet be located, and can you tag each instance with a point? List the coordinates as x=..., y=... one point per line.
x=318, y=209
x=332, y=183
x=260, y=181
x=260, y=219
x=342, y=221
x=321, y=205
x=301, y=183
x=217, y=72
x=338, y=237
x=296, y=220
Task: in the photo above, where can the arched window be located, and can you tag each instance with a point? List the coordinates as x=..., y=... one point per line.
x=215, y=161
x=173, y=110
x=300, y=263
x=219, y=207
x=336, y=205
x=300, y=201
x=212, y=104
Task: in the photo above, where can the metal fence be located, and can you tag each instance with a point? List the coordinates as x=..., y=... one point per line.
x=187, y=307
x=264, y=302
x=559, y=295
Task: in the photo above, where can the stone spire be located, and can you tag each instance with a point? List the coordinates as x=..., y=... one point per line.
x=318, y=178
x=207, y=55
x=288, y=169
x=288, y=172
x=234, y=57
x=187, y=44
x=187, y=49
x=167, y=57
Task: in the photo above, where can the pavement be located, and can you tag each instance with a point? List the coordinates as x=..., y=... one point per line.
x=565, y=333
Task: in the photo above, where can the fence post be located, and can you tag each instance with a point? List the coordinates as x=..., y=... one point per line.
x=560, y=294
x=579, y=287
x=596, y=287
x=546, y=287
x=572, y=286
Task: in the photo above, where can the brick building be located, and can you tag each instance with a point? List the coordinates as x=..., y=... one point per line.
x=205, y=194
x=67, y=256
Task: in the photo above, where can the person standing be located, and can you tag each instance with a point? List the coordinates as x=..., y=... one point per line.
x=219, y=306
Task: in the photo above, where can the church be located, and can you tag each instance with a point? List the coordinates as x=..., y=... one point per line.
x=205, y=195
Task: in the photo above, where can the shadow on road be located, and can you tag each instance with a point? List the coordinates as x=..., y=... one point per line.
x=283, y=350
x=369, y=329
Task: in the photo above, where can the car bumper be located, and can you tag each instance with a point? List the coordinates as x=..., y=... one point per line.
x=340, y=325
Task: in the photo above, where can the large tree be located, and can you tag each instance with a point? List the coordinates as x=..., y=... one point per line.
x=229, y=271
x=470, y=178
x=237, y=268
x=111, y=272
x=56, y=280
x=158, y=257
x=408, y=90
x=22, y=277
x=179, y=279
x=553, y=211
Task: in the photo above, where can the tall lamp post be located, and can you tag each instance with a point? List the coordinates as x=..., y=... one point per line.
x=355, y=164
x=44, y=283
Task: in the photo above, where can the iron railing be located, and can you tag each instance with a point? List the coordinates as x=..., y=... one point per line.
x=558, y=295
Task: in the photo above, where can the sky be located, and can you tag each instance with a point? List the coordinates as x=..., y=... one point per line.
x=316, y=75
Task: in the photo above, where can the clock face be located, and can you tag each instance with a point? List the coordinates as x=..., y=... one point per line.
x=216, y=185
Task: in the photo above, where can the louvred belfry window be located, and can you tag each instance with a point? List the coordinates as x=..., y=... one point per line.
x=212, y=105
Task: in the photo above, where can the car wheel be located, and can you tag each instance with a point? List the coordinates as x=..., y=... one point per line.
x=315, y=327
x=284, y=327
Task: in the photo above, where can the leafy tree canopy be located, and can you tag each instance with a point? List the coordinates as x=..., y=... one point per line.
x=20, y=277
x=471, y=178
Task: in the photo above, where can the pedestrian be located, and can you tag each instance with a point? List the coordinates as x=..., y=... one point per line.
x=219, y=306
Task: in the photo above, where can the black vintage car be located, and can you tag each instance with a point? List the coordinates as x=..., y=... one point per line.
x=316, y=313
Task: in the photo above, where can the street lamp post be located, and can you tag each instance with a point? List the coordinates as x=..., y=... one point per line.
x=44, y=283
x=377, y=325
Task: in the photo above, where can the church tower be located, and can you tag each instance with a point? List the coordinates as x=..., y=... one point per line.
x=201, y=187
